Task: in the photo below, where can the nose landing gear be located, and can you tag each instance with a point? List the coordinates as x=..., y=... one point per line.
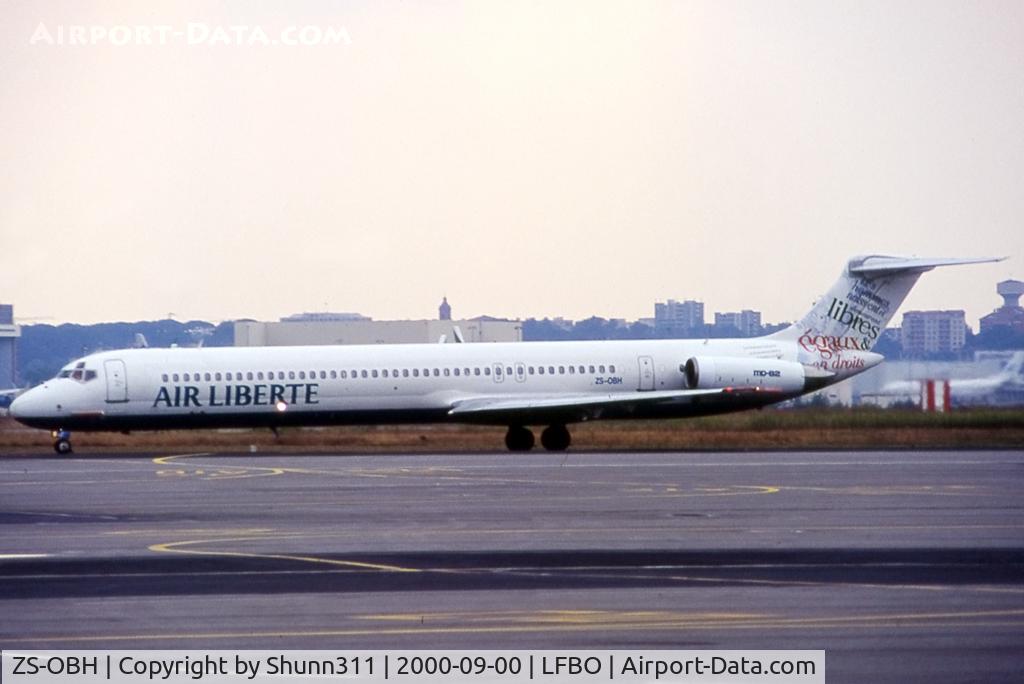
x=62, y=441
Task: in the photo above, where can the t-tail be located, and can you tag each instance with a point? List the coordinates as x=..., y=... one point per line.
x=850, y=319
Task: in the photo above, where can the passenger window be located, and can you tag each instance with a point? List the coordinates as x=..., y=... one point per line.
x=593, y=370
x=374, y=373
x=572, y=370
x=334, y=375
x=508, y=370
x=530, y=370
x=343, y=375
x=458, y=372
x=476, y=371
x=437, y=373
x=164, y=377
x=76, y=375
x=394, y=372
x=405, y=372
x=611, y=369
x=363, y=373
x=601, y=368
x=291, y=375
x=551, y=370
x=415, y=372
x=561, y=370
x=447, y=372
x=487, y=370
x=540, y=370
x=384, y=372
x=465, y=371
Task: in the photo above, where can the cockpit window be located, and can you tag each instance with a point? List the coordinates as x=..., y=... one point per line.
x=79, y=373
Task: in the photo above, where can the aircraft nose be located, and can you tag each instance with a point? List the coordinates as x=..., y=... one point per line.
x=27, y=406
x=17, y=407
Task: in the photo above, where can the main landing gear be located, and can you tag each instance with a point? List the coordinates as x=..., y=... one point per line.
x=554, y=438
x=62, y=441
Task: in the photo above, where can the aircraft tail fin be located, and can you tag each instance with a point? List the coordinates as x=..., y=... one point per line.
x=855, y=311
x=1014, y=366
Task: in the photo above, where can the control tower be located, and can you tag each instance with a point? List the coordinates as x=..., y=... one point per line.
x=1010, y=314
x=1010, y=291
x=9, y=332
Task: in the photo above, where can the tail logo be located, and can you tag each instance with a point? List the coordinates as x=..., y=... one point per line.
x=854, y=319
x=827, y=346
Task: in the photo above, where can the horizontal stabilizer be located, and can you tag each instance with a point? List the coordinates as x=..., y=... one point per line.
x=885, y=265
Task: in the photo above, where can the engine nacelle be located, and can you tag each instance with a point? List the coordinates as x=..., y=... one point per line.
x=717, y=372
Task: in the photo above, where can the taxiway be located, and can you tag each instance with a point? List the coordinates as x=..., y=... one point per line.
x=904, y=566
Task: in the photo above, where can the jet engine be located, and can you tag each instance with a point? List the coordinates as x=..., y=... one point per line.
x=716, y=372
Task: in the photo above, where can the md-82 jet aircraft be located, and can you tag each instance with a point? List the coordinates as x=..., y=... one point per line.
x=514, y=384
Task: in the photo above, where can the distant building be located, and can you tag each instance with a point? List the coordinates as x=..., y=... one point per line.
x=444, y=312
x=933, y=332
x=679, y=318
x=9, y=332
x=323, y=317
x=747, y=322
x=1010, y=314
x=366, y=331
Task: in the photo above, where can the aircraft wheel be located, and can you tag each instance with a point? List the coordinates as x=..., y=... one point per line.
x=62, y=446
x=518, y=438
x=556, y=438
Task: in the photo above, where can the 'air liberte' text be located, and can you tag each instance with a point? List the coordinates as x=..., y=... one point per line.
x=183, y=396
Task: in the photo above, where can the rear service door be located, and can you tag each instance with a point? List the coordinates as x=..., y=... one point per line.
x=117, y=381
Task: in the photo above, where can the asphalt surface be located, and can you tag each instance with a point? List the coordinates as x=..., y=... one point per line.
x=904, y=566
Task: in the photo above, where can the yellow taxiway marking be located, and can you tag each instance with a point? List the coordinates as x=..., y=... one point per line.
x=549, y=621
x=219, y=472
x=165, y=460
x=176, y=547
x=560, y=617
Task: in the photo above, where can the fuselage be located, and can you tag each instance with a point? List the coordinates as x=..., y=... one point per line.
x=136, y=389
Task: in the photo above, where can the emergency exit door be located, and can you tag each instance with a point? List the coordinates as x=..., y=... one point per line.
x=646, y=373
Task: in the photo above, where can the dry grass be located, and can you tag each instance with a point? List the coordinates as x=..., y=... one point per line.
x=768, y=429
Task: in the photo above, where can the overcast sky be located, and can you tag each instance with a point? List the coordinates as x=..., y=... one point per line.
x=524, y=159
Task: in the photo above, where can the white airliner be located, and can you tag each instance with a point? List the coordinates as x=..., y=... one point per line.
x=970, y=390
x=514, y=384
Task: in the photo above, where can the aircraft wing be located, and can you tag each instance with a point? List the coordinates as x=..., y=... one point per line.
x=575, y=407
